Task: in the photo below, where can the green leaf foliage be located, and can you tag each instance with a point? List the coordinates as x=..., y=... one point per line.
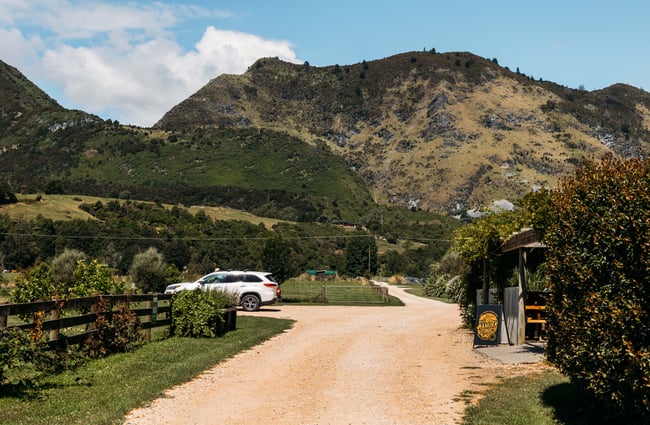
x=599, y=270
x=277, y=258
x=360, y=256
x=94, y=277
x=21, y=360
x=198, y=314
x=37, y=286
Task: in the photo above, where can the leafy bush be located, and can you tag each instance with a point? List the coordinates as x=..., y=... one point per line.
x=436, y=286
x=599, y=269
x=116, y=332
x=94, y=277
x=21, y=360
x=88, y=278
x=199, y=314
x=36, y=286
x=445, y=286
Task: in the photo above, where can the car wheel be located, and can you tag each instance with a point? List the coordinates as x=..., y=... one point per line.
x=250, y=302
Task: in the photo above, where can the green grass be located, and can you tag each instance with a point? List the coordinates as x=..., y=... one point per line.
x=536, y=399
x=348, y=292
x=103, y=391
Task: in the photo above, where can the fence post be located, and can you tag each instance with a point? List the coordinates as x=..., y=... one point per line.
x=55, y=314
x=147, y=332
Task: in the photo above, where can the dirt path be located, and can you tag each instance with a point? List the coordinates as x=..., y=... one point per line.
x=341, y=365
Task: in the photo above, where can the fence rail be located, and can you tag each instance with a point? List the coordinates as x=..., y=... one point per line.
x=63, y=327
x=371, y=294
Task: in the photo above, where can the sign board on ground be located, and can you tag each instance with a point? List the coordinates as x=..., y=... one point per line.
x=488, y=324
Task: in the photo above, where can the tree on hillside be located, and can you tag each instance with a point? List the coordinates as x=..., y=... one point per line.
x=148, y=271
x=599, y=269
x=6, y=195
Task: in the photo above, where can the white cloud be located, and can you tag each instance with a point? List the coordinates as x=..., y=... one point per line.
x=122, y=61
x=17, y=49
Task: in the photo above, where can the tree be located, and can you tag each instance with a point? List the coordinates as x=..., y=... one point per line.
x=94, y=277
x=148, y=271
x=360, y=256
x=36, y=286
x=599, y=268
x=65, y=264
x=478, y=244
x=6, y=195
x=276, y=258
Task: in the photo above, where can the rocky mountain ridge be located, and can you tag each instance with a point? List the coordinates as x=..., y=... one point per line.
x=443, y=132
x=437, y=131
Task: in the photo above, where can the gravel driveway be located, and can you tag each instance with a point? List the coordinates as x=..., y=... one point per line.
x=341, y=365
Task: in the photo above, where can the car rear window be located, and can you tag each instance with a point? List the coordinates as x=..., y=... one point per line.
x=232, y=278
x=251, y=278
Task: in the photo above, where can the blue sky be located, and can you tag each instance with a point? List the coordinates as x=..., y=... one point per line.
x=134, y=60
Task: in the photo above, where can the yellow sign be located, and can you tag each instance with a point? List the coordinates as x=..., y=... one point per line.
x=488, y=324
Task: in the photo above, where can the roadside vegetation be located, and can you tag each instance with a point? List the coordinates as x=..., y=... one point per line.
x=91, y=394
x=597, y=265
x=546, y=398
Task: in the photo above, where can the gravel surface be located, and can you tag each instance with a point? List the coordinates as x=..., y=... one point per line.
x=342, y=365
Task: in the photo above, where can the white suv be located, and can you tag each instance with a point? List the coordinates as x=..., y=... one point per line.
x=254, y=289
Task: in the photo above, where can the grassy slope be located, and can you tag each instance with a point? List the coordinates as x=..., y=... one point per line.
x=66, y=207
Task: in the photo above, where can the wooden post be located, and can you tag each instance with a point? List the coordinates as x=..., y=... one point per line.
x=55, y=314
x=521, y=334
x=486, y=286
x=147, y=332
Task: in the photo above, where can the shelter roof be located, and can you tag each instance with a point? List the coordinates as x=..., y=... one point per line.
x=526, y=238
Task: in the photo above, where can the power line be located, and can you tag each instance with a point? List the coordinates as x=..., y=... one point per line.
x=197, y=238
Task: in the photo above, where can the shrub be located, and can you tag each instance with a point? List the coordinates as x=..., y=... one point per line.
x=94, y=277
x=599, y=269
x=116, y=332
x=65, y=264
x=21, y=360
x=36, y=286
x=87, y=279
x=148, y=271
x=436, y=286
x=199, y=314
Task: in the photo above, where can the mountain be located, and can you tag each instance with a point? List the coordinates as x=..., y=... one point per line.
x=19, y=96
x=47, y=148
x=441, y=132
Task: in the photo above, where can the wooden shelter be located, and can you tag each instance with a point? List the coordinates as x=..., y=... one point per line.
x=523, y=242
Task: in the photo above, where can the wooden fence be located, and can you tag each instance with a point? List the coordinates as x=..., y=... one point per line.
x=72, y=321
